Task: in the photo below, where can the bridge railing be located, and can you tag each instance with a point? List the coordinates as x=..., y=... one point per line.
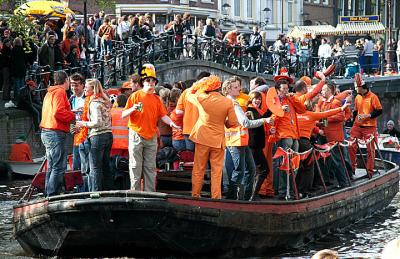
x=126, y=58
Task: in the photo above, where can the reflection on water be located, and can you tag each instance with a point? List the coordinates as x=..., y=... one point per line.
x=364, y=239
x=10, y=193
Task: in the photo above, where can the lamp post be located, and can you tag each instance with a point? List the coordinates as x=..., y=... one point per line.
x=225, y=11
x=265, y=23
x=305, y=16
x=85, y=22
x=390, y=50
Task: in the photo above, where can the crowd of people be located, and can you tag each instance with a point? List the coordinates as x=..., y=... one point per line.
x=233, y=132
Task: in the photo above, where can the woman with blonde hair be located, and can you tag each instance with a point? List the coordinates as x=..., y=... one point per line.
x=100, y=136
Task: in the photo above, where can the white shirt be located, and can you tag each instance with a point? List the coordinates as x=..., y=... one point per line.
x=325, y=51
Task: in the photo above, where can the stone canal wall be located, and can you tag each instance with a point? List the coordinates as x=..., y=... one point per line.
x=14, y=123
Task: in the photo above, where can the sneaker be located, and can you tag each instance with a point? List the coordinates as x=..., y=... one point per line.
x=10, y=104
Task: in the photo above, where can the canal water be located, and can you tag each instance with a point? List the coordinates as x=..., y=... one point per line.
x=364, y=239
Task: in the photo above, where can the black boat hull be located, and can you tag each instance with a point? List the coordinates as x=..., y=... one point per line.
x=124, y=223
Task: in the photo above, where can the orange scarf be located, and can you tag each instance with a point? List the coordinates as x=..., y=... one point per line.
x=81, y=135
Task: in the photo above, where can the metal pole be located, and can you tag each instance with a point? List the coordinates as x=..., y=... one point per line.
x=344, y=163
x=380, y=154
x=282, y=16
x=390, y=51
x=85, y=21
x=319, y=171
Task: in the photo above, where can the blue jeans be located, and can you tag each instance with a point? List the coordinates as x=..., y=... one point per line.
x=179, y=145
x=106, y=47
x=100, y=176
x=54, y=143
x=84, y=158
x=166, y=140
x=244, y=168
x=189, y=143
x=227, y=171
x=76, y=159
x=19, y=84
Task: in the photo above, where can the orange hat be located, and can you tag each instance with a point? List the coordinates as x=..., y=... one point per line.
x=207, y=84
x=126, y=85
x=358, y=82
x=306, y=80
x=146, y=71
x=284, y=75
x=273, y=102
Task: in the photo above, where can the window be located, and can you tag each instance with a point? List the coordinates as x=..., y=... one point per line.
x=249, y=8
x=317, y=1
x=237, y=8
x=325, y=2
x=290, y=12
x=270, y=15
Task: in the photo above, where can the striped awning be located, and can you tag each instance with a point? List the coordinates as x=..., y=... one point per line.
x=360, y=28
x=307, y=31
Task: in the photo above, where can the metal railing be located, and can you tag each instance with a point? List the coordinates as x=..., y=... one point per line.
x=126, y=58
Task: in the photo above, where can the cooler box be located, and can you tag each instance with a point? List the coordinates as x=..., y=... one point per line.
x=351, y=70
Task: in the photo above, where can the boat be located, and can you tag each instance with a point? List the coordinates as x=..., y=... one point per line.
x=145, y=224
x=389, y=148
x=24, y=170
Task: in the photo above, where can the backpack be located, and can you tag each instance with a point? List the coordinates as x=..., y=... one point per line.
x=166, y=155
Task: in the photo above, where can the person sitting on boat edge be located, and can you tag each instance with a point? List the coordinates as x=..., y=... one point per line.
x=367, y=108
x=391, y=130
x=20, y=150
x=208, y=133
x=144, y=109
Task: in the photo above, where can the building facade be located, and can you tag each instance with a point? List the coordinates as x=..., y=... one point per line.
x=319, y=12
x=273, y=16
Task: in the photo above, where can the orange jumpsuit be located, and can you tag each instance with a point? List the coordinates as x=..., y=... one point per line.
x=208, y=134
x=365, y=104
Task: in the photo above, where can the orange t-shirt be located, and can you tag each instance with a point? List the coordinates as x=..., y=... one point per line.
x=286, y=126
x=365, y=105
x=231, y=37
x=308, y=96
x=191, y=113
x=334, y=130
x=308, y=119
x=144, y=122
x=20, y=152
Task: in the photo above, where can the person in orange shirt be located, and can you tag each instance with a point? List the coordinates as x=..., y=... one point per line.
x=302, y=88
x=20, y=151
x=208, y=133
x=286, y=126
x=332, y=130
x=189, y=111
x=55, y=124
x=367, y=108
x=307, y=122
x=144, y=109
x=231, y=38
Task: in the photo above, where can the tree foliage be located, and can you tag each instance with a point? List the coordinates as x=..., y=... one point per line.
x=105, y=4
